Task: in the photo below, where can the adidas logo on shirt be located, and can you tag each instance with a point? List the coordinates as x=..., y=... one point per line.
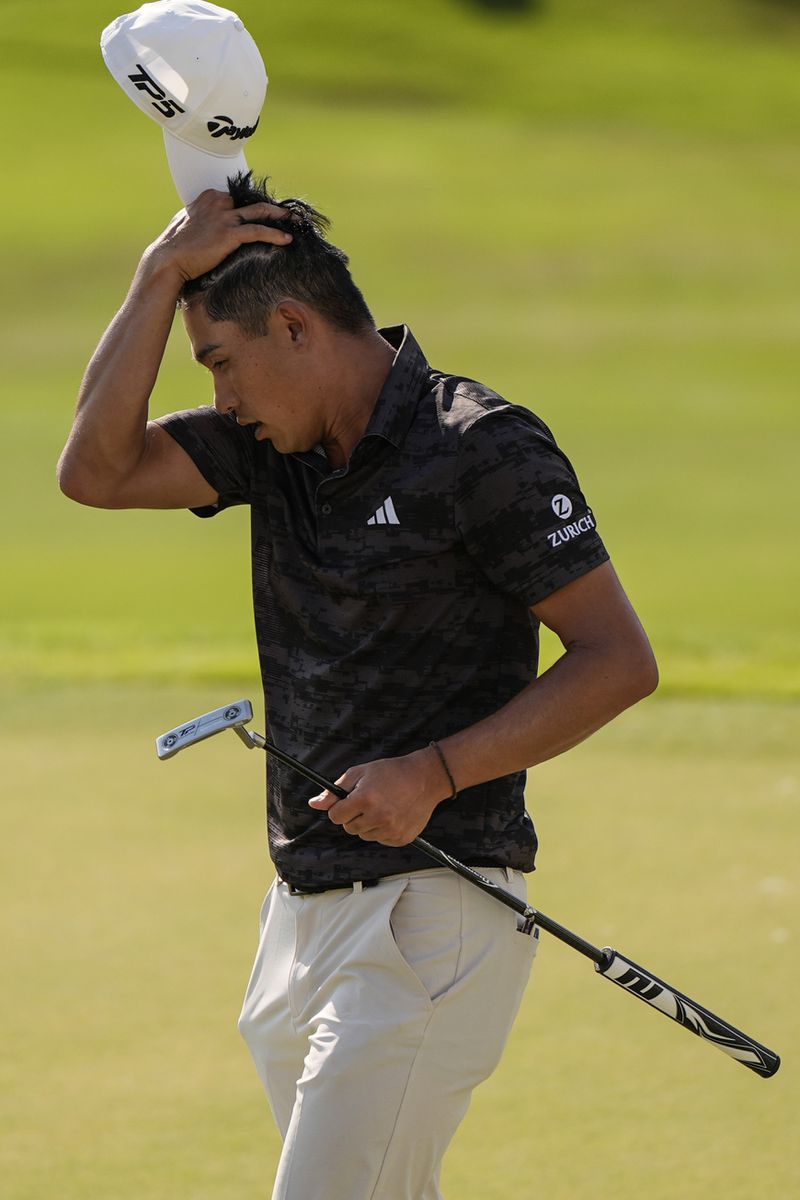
x=385, y=514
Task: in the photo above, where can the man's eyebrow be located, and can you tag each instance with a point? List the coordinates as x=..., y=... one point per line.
x=203, y=354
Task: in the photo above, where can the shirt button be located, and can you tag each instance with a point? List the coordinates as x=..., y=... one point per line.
x=326, y=510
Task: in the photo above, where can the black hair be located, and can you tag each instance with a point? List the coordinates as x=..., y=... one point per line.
x=248, y=285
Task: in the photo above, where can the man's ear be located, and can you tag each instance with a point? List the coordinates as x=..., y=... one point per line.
x=295, y=319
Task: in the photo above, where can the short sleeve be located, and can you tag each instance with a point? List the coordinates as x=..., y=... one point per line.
x=221, y=450
x=519, y=508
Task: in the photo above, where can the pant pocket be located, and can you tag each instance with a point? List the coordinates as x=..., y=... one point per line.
x=425, y=924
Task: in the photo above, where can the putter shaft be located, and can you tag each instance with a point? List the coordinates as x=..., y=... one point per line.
x=636, y=980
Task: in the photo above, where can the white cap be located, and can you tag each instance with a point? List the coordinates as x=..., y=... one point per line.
x=194, y=69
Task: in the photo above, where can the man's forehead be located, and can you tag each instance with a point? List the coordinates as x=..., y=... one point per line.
x=206, y=335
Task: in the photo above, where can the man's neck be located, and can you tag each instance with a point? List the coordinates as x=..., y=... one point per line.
x=360, y=366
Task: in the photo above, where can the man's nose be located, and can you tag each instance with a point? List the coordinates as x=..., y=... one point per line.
x=224, y=401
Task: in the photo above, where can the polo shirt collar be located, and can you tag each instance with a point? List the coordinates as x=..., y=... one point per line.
x=397, y=401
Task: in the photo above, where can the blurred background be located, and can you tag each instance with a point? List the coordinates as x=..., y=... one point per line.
x=593, y=209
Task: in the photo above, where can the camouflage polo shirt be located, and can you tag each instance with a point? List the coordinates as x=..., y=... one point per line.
x=392, y=598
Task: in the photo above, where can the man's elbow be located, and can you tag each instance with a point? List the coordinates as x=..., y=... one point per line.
x=70, y=480
x=77, y=484
x=640, y=670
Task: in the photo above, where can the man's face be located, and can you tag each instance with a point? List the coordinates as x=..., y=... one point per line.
x=262, y=381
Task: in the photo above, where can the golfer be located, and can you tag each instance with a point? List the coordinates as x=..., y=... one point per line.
x=411, y=531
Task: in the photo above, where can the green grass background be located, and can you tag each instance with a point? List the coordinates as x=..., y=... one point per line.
x=594, y=209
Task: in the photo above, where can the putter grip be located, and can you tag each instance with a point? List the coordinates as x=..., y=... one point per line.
x=688, y=1013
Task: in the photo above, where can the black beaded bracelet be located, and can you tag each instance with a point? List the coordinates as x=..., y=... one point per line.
x=435, y=746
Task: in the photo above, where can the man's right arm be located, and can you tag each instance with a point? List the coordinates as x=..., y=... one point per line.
x=114, y=456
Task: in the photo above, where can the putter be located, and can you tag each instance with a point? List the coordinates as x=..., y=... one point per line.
x=636, y=980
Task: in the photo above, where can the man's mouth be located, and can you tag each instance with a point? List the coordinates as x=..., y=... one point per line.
x=255, y=424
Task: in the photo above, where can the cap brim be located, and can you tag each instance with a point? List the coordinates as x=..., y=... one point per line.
x=193, y=170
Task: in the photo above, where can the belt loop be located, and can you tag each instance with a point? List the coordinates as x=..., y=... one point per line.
x=358, y=886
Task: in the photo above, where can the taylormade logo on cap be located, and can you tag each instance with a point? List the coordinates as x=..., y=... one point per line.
x=224, y=127
x=193, y=68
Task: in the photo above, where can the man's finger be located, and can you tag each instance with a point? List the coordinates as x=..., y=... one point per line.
x=262, y=233
x=323, y=801
x=344, y=812
x=364, y=826
x=327, y=799
x=371, y=834
x=352, y=827
x=260, y=210
x=210, y=196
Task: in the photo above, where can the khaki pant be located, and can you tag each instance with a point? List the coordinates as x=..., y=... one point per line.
x=371, y=1014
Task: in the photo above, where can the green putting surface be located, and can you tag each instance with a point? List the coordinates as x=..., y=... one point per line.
x=130, y=896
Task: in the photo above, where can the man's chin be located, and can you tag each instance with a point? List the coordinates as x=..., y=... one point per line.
x=279, y=441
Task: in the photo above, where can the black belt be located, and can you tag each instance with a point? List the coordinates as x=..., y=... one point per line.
x=303, y=889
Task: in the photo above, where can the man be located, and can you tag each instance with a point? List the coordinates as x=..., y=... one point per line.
x=411, y=530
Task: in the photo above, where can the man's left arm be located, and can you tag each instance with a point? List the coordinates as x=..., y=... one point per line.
x=607, y=666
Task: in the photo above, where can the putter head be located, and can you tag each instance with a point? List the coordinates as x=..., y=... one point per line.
x=231, y=716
